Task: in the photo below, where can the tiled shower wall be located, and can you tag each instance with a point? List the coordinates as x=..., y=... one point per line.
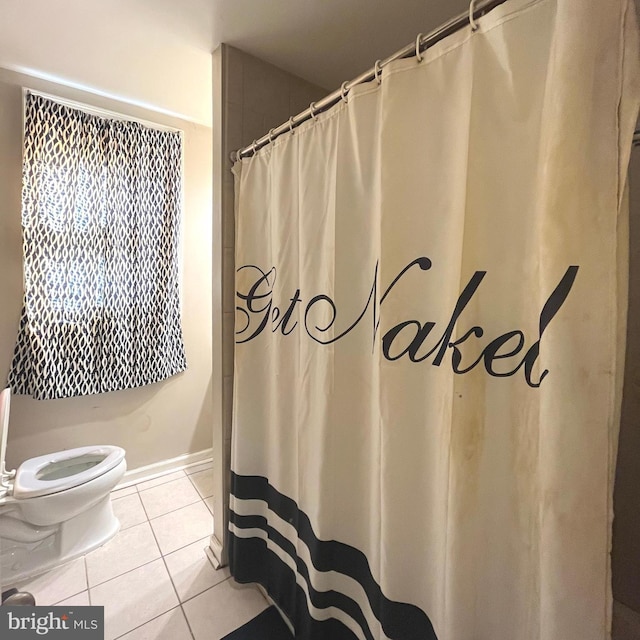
x=256, y=96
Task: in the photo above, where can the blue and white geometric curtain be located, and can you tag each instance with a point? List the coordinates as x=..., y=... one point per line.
x=101, y=202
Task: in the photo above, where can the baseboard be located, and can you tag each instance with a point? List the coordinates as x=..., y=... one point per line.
x=157, y=469
x=214, y=553
x=626, y=623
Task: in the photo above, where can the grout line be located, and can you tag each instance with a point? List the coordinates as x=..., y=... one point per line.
x=147, y=622
x=166, y=568
x=179, y=606
x=55, y=604
x=23, y=585
x=173, y=584
x=159, y=484
x=162, y=556
x=184, y=506
x=207, y=589
x=195, y=486
x=199, y=499
x=208, y=468
x=135, y=524
x=124, y=573
x=186, y=619
x=86, y=575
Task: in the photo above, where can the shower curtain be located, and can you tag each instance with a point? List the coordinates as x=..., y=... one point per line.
x=430, y=321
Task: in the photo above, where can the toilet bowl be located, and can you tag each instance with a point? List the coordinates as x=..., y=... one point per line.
x=55, y=507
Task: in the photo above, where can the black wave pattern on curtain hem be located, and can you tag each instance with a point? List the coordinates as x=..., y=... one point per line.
x=251, y=560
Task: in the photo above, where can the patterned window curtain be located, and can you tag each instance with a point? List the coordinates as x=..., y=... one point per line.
x=101, y=203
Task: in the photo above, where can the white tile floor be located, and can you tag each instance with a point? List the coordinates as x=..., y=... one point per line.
x=154, y=579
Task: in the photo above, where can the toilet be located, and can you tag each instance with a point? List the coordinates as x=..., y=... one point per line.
x=55, y=507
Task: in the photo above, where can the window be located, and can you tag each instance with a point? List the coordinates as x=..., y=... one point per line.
x=101, y=202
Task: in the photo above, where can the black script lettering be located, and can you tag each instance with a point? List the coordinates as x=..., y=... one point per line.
x=463, y=301
x=425, y=329
x=326, y=299
x=456, y=356
x=490, y=352
x=423, y=262
x=414, y=345
x=259, y=310
x=287, y=315
x=551, y=307
x=253, y=298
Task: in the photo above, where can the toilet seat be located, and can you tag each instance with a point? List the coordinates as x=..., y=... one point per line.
x=57, y=472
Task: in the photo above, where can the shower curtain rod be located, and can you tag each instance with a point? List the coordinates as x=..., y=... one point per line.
x=422, y=42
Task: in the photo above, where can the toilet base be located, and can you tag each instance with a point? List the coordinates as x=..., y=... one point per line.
x=69, y=540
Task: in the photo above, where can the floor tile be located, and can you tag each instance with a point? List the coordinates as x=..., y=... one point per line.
x=182, y=527
x=168, y=497
x=79, y=600
x=121, y=493
x=222, y=609
x=58, y=584
x=134, y=598
x=269, y=624
x=191, y=571
x=199, y=467
x=169, y=626
x=130, y=549
x=167, y=477
x=203, y=482
x=209, y=503
x=129, y=510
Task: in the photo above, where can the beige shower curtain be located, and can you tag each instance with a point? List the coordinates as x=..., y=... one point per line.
x=431, y=298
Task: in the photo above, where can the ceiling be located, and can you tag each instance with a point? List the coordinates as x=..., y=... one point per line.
x=323, y=41
x=157, y=52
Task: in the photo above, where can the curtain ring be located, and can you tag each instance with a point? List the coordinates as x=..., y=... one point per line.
x=270, y=134
x=253, y=147
x=472, y=20
x=377, y=72
x=312, y=108
x=418, y=54
x=344, y=91
x=291, y=124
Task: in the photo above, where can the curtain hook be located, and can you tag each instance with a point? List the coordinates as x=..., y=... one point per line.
x=344, y=91
x=472, y=20
x=377, y=71
x=291, y=124
x=270, y=134
x=312, y=110
x=253, y=147
x=418, y=54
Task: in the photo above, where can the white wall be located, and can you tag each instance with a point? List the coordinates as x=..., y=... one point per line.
x=132, y=57
x=152, y=423
x=122, y=48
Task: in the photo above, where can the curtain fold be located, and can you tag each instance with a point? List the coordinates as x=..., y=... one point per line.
x=431, y=300
x=101, y=203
